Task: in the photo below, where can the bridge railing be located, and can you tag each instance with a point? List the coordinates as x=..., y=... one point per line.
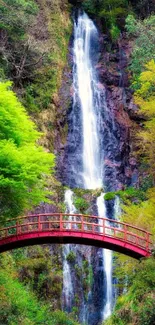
x=79, y=223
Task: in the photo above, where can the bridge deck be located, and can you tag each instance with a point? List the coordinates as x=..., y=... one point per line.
x=75, y=228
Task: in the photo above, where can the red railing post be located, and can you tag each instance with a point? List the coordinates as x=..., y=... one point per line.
x=103, y=227
x=82, y=224
x=61, y=222
x=6, y=233
x=147, y=241
x=125, y=233
x=137, y=239
x=18, y=230
x=39, y=223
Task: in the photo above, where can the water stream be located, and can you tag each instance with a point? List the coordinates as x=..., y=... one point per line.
x=87, y=93
x=68, y=293
x=107, y=257
x=87, y=97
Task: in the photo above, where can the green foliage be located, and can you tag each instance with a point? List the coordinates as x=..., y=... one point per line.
x=139, y=303
x=19, y=53
x=109, y=196
x=114, y=32
x=141, y=214
x=17, y=24
x=39, y=270
x=127, y=194
x=24, y=165
x=145, y=34
x=81, y=204
x=47, y=79
x=89, y=6
x=132, y=193
x=145, y=99
x=19, y=305
x=71, y=257
x=112, y=13
x=131, y=25
x=78, y=271
x=60, y=318
x=34, y=61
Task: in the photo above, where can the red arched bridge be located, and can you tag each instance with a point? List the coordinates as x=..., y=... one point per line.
x=78, y=229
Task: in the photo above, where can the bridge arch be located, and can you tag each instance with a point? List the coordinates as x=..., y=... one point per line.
x=77, y=229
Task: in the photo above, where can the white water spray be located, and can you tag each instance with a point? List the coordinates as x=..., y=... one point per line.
x=107, y=257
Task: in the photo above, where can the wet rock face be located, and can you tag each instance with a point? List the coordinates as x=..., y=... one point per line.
x=116, y=101
x=73, y=150
x=119, y=168
x=97, y=298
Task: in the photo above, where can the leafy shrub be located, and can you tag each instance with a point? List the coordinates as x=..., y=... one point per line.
x=81, y=204
x=114, y=32
x=71, y=257
x=131, y=25
x=109, y=196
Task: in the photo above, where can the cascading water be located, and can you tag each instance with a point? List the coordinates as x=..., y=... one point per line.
x=87, y=92
x=68, y=292
x=107, y=257
x=67, y=281
x=88, y=172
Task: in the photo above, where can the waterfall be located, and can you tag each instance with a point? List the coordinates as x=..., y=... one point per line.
x=87, y=173
x=68, y=293
x=107, y=257
x=86, y=91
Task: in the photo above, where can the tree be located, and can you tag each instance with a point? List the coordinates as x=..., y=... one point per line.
x=144, y=43
x=145, y=99
x=24, y=165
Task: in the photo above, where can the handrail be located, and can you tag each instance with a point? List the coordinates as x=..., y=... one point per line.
x=78, y=215
x=67, y=222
